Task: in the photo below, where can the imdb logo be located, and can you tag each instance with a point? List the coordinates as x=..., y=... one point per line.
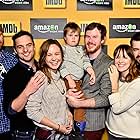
x=131, y=3
x=54, y=3
x=10, y=27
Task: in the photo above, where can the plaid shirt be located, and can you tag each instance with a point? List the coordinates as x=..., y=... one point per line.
x=7, y=61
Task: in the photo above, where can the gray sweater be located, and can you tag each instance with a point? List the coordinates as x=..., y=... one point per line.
x=49, y=101
x=95, y=117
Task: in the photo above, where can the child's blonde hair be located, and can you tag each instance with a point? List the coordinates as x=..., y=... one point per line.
x=71, y=26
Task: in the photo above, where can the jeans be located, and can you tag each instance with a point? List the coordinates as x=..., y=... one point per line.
x=5, y=136
x=18, y=135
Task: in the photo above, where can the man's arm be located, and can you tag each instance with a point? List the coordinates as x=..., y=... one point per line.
x=73, y=101
x=33, y=85
x=13, y=104
x=101, y=98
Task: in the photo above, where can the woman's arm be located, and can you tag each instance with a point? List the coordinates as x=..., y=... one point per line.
x=125, y=99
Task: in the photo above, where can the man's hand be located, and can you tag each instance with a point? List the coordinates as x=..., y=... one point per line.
x=74, y=102
x=75, y=93
x=65, y=129
x=35, y=83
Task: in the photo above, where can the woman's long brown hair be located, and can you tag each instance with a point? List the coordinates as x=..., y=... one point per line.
x=133, y=70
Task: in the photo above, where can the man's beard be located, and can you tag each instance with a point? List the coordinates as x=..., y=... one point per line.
x=93, y=50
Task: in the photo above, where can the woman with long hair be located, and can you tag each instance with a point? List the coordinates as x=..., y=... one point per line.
x=123, y=117
x=48, y=107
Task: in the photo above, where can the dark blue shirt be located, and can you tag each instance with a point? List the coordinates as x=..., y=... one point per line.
x=7, y=61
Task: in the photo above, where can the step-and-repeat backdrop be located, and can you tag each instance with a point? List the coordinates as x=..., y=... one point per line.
x=47, y=18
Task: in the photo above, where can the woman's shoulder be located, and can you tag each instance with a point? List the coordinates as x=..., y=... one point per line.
x=137, y=80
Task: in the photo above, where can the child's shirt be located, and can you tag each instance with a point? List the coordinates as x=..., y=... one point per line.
x=75, y=62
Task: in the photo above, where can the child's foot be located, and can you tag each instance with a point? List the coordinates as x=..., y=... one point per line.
x=80, y=126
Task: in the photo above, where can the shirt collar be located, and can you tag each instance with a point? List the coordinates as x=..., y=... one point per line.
x=69, y=47
x=55, y=76
x=27, y=66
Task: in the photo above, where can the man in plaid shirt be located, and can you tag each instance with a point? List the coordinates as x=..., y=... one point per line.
x=7, y=61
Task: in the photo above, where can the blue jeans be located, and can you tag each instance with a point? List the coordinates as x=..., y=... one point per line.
x=18, y=135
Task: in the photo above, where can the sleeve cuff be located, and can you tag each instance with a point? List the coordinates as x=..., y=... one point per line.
x=114, y=98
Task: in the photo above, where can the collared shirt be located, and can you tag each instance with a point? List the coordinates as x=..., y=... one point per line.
x=7, y=61
x=14, y=83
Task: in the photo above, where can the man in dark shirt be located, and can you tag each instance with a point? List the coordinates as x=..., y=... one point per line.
x=20, y=82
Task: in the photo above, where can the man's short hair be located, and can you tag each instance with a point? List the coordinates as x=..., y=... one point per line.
x=135, y=37
x=19, y=34
x=99, y=26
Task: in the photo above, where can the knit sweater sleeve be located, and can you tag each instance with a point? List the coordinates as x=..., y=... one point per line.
x=86, y=60
x=125, y=99
x=33, y=106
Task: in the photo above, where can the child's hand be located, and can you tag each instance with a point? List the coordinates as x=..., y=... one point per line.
x=92, y=79
x=71, y=83
x=91, y=73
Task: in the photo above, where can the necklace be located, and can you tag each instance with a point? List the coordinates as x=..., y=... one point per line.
x=61, y=89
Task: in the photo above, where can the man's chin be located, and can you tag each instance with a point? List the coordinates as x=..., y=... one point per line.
x=91, y=51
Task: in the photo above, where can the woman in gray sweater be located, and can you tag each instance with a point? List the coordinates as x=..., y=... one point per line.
x=47, y=107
